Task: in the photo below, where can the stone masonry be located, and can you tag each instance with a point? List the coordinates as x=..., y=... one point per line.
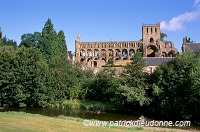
x=97, y=54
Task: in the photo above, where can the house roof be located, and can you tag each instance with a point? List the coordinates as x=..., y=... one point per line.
x=156, y=61
x=193, y=47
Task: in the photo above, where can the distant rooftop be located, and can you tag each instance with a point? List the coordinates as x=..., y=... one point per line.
x=193, y=47
x=156, y=61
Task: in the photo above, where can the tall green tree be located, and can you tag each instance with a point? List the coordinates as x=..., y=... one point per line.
x=62, y=45
x=134, y=82
x=48, y=44
x=54, y=47
x=7, y=76
x=48, y=31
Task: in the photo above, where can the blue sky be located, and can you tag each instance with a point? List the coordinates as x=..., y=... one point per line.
x=102, y=20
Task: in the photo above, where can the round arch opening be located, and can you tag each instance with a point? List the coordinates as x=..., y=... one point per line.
x=152, y=51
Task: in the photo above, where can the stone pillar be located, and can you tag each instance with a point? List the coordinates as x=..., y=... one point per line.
x=92, y=63
x=107, y=55
x=121, y=54
x=114, y=55
x=99, y=54
x=128, y=55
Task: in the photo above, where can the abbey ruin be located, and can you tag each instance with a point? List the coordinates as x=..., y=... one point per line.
x=97, y=54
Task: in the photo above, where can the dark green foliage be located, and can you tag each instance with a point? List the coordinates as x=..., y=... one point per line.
x=129, y=88
x=76, y=79
x=8, y=42
x=176, y=88
x=134, y=82
x=23, y=77
x=103, y=86
x=48, y=31
x=7, y=75
x=62, y=42
x=44, y=47
x=110, y=62
x=39, y=72
x=49, y=36
x=31, y=40
x=0, y=36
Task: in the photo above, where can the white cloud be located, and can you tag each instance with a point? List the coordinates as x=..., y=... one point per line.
x=177, y=23
x=197, y=3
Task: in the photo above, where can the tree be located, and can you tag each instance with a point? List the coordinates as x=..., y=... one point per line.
x=0, y=36
x=162, y=35
x=30, y=40
x=49, y=44
x=176, y=88
x=110, y=62
x=8, y=42
x=62, y=42
x=134, y=82
x=7, y=77
x=48, y=31
x=24, y=78
x=45, y=49
x=103, y=86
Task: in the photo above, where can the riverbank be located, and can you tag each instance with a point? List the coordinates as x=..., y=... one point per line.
x=24, y=122
x=87, y=105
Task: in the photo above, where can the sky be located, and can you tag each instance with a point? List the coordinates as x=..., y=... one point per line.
x=102, y=20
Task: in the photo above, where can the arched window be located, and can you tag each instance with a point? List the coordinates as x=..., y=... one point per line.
x=95, y=63
x=156, y=30
x=124, y=52
x=147, y=30
x=131, y=52
x=151, y=30
x=151, y=40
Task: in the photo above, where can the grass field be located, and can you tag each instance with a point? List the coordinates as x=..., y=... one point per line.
x=24, y=122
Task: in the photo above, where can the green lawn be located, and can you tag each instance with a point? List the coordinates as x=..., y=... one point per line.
x=24, y=122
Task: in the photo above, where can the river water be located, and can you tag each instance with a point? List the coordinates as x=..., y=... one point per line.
x=54, y=112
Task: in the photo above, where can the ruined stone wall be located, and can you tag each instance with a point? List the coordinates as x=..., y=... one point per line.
x=97, y=54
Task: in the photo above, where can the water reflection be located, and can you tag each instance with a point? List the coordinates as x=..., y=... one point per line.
x=53, y=112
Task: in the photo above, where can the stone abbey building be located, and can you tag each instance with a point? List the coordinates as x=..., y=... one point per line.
x=97, y=54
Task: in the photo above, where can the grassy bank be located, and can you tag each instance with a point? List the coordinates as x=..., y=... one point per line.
x=88, y=105
x=23, y=122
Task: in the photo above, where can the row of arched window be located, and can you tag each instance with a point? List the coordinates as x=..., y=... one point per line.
x=151, y=30
x=102, y=53
x=110, y=45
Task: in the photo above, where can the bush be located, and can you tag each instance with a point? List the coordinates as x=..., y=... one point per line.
x=176, y=88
